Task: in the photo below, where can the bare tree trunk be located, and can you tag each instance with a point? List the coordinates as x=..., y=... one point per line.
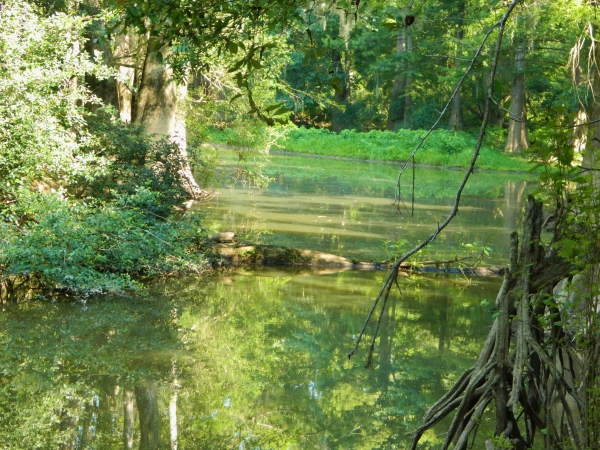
x=173, y=407
x=408, y=103
x=125, y=48
x=517, y=127
x=396, y=97
x=104, y=89
x=341, y=92
x=592, y=148
x=156, y=111
x=455, y=109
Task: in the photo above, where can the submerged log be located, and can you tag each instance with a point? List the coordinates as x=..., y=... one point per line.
x=239, y=254
x=227, y=236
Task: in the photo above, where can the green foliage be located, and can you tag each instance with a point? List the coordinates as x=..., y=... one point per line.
x=442, y=148
x=141, y=173
x=86, y=203
x=85, y=248
x=43, y=123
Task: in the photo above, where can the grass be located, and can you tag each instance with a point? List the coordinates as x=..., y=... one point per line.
x=443, y=148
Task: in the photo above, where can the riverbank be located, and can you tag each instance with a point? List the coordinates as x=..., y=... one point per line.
x=443, y=148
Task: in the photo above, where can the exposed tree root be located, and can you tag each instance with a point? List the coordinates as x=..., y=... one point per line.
x=530, y=374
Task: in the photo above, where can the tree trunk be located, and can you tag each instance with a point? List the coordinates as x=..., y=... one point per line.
x=517, y=127
x=125, y=47
x=156, y=112
x=408, y=103
x=400, y=109
x=341, y=92
x=456, y=106
x=173, y=420
x=592, y=147
x=396, y=97
x=147, y=403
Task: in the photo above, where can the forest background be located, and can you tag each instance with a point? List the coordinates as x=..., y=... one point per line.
x=86, y=83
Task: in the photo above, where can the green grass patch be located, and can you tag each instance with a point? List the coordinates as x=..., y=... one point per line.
x=443, y=148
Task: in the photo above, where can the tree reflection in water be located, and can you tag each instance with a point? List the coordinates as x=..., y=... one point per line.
x=252, y=360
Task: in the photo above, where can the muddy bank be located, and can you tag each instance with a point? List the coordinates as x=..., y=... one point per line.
x=241, y=254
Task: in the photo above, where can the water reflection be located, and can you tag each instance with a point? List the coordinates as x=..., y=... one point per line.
x=251, y=360
x=346, y=208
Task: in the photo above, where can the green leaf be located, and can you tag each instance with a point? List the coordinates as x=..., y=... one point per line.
x=236, y=66
x=239, y=80
x=281, y=111
x=232, y=47
x=390, y=24
x=272, y=107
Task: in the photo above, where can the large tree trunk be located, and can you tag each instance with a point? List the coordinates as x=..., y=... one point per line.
x=408, y=103
x=396, y=107
x=339, y=120
x=125, y=49
x=341, y=91
x=104, y=89
x=456, y=106
x=517, y=127
x=592, y=146
x=156, y=111
x=400, y=109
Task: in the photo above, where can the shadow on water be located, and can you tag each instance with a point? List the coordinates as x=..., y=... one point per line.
x=247, y=360
x=345, y=208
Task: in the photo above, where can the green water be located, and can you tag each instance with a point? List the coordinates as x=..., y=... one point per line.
x=248, y=360
x=345, y=208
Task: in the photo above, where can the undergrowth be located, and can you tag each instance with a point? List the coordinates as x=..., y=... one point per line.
x=443, y=148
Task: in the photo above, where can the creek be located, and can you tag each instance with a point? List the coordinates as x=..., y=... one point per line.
x=243, y=361
x=346, y=208
x=257, y=358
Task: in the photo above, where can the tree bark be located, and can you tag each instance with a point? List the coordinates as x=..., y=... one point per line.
x=400, y=109
x=103, y=89
x=396, y=97
x=456, y=122
x=592, y=147
x=156, y=111
x=517, y=127
x=125, y=48
x=408, y=103
x=341, y=91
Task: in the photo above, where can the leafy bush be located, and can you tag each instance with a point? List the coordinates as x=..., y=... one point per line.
x=141, y=172
x=86, y=248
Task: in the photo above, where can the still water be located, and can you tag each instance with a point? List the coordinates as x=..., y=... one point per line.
x=345, y=207
x=244, y=361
